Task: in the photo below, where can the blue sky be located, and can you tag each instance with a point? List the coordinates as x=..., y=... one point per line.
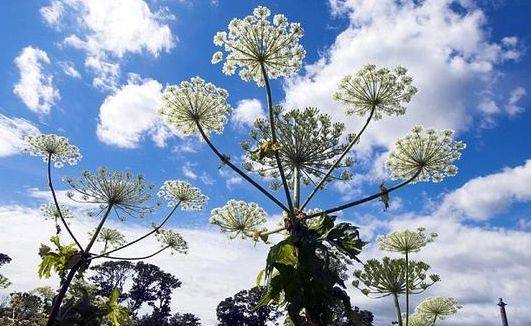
x=470, y=59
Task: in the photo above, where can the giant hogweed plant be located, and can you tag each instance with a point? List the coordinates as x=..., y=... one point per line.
x=301, y=150
x=108, y=194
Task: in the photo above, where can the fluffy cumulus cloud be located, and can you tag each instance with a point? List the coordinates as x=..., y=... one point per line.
x=247, y=111
x=128, y=115
x=444, y=44
x=12, y=133
x=108, y=30
x=481, y=198
x=35, y=87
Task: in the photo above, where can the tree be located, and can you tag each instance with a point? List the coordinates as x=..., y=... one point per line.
x=186, y=319
x=4, y=282
x=302, y=151
x=119, y=193
x=240, y=309
x=138, y=284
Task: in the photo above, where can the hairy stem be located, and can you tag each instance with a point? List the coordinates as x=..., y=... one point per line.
x=142, y=237
x=274, y=136
x=50, y=185
x=407, y=288
x=297, y=187
x=138, y=258
x=397, y=309
x=62, y=292
x=336, y=163
x=224, y=159
x=364, y=200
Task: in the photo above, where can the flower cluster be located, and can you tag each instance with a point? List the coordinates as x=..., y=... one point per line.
x=189, y=104
x=239, y=218
x=417, y=320
x=437, y=308
x=425, y=154
x=122, y=190
x=405, y=241
x=307, y=142
x=172, y=240
x=49, y=211
x=255, y=42
x=177, y=191
x=109, y=237
x=388, y=276
x=381, y=90
x=54, y=147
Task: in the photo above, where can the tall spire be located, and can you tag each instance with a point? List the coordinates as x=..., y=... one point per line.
x=502, y=305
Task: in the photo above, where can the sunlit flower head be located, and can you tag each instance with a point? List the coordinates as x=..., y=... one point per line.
x=427, y=153
x=173, y=240
x=55, y=147
x=259, y=40
x=109, y=237
x=306, y=140
x=49, y=211
x=380, y=278
x=195, y=102
x=177, y=191
x=437, y=307
x=239, y=218
x=124, y=191
x=405, y=241
x=383, y=89
x=417, y=320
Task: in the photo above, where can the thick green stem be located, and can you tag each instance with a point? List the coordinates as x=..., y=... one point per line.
x=336, y=163
x=274, y=135
x=407, y=288
x=224, y=159
x=397, y=309
x=50, y=185
x=297, y=187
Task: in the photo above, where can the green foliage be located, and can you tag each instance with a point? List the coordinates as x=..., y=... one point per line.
x=116, y=313
x=304, y=271
x=4, y=282
x=61, y=259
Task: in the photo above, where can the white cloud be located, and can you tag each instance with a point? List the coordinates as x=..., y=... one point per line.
x=12, y=133
x=449, y=54
x=231, y=178
x=108, y=30
x=516, y=95
x=188, y=171
x=131, y=113
x=69, y=69
x=483, y=197
x=34, y=87
x=247, y=111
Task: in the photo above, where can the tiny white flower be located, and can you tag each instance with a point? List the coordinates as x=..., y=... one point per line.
x=190, y=198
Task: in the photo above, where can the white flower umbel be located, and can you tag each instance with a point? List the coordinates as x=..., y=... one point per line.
x=55, y=147
x=256, y=40
x=122, y=190
x=434, y=308
x=427, y=153
x=177, y=191
x=382, y=89
x=110, y=238
x=405, y=241
x=49, y=211
x=173, y=240
x=239, y=218
x=195, y=102
x=417, y=320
